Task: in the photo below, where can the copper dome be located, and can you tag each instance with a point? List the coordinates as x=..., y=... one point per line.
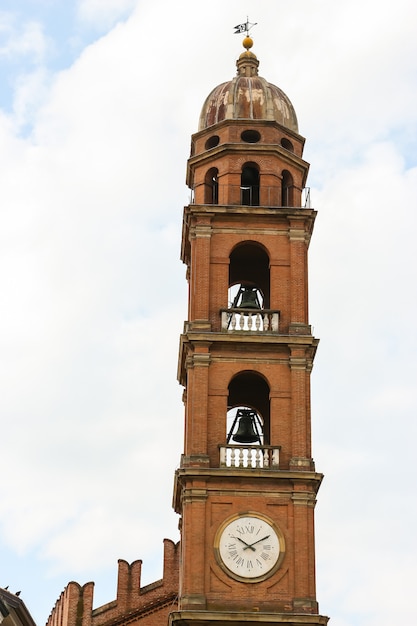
x=248, y=96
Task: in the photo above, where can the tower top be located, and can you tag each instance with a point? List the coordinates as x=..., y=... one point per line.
x=248, y=96
x=247, y=64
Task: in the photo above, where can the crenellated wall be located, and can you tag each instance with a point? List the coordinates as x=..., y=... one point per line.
x=133, y=604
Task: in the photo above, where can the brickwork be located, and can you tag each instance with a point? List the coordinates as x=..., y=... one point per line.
x=206, y=506
x=231, y=153
x=259, y=239
x=148, y=606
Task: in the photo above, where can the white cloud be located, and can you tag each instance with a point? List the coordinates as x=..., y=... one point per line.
x=363, y=267
x=19, y=39
x=24, y=46
x=104, y=13
x=351, y=80
x=30, y=92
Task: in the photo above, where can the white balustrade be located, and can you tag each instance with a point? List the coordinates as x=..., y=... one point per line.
x=250, y=456
x=250, y=320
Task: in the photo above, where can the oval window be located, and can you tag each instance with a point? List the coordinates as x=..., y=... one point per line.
x=286, y=143
x=212, y=142
x=250, y=136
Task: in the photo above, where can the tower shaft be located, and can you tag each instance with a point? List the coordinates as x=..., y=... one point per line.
x=247, y=502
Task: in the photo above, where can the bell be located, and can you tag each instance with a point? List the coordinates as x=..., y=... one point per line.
x=249, y=299
x=246, y=432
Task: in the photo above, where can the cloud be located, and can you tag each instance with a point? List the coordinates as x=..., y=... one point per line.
x=104, y=13
x=84, y=299
x=362, y=264
x=351, y=81
x=22, y=39
x=30, y=93
x=24, y=49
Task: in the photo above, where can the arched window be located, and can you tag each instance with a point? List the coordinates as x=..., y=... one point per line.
x=249, y=267
x=249, y=185
x=248, y=406
x=287, y=187
x=211, y=186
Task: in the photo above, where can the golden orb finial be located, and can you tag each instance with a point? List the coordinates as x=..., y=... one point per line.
x=247, y=42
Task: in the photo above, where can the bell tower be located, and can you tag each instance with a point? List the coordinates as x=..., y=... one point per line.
x=246, y=486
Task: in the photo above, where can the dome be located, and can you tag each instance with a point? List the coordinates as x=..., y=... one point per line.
x=248, y=96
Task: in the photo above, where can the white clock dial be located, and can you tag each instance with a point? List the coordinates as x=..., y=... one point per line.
x=249, y=547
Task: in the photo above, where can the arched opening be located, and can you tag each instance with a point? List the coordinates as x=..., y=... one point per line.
x=287, y=188
x=249, y=185
x=248, y=417
x=211, y=186
x=249, y=269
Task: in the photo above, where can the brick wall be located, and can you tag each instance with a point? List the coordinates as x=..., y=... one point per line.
x=149, y=605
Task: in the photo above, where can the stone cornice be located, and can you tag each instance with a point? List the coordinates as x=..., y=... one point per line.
x=270, y=474
x=200, y=618
x=239, y=210
x=245, y=149
x=237, y=336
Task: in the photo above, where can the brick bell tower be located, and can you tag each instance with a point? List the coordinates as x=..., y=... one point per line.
x=246, y=486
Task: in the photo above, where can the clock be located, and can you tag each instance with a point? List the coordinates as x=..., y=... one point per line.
x=249, y=547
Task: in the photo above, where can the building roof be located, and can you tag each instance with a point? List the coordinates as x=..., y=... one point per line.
x=248, y=96
x=13, y=611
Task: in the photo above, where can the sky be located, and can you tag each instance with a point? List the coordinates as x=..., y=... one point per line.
x=98, y=100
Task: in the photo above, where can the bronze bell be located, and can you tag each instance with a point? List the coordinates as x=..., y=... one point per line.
x=246, y=432
x=249, y=299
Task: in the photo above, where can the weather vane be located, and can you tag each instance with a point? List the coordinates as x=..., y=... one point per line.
x=241, y=28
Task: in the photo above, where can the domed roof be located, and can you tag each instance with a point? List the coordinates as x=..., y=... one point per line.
x=248, y=96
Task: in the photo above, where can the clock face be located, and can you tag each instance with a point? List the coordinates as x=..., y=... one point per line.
x=248, y=547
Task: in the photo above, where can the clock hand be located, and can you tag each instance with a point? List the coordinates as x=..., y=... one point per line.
x=255, y=542
x=246, y=544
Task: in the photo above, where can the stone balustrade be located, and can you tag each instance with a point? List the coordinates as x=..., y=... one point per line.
x=250, y=320
x=257, y=456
